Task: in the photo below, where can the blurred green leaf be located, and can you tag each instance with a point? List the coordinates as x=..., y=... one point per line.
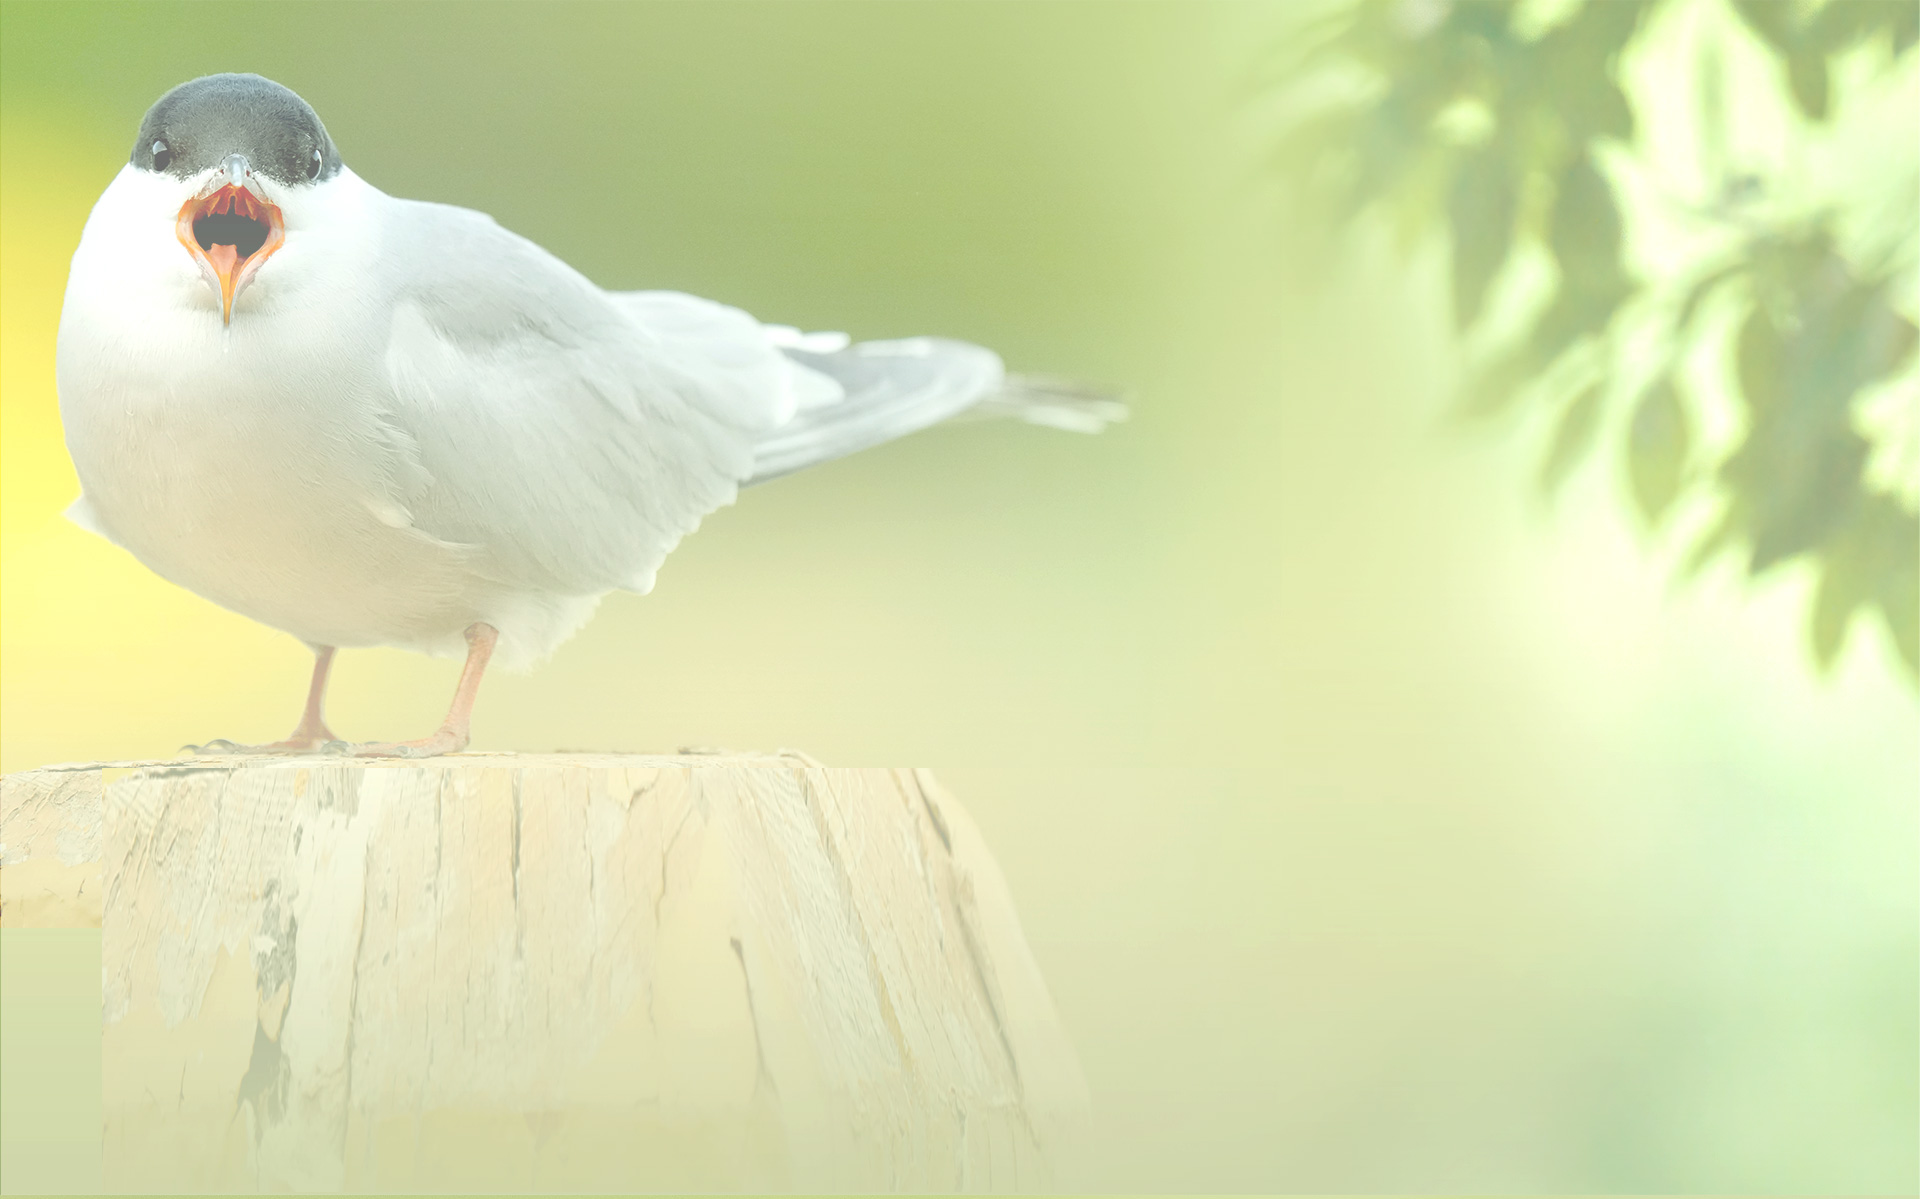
x=1724, y=535
x=1573, y=315
x=1798, y=467
x=1584, y=236
x=1757, y=361
x=1419, y=200
x=1578, y=67
x=1840, y=25
x=1585, y=231
x=1391, y=148
x=1779, y=24
x=1572, y=436
x=1804, y=36
x=1896, y=570
x=1697, y=295
x=1481, y=208
x=1807, y=77
x=1773, y=20
x=1494, y=389
x=1658, y=441
x=1875, y=564
x=1845, y=582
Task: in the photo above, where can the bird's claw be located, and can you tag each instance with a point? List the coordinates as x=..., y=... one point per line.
x=298, y=744
x=430, y=747
x=389, y=749
x=442, y=742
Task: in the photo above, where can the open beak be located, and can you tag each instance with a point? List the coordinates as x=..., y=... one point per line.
x=231, y=229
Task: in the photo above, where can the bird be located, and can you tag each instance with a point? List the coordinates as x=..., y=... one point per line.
x=373, y=421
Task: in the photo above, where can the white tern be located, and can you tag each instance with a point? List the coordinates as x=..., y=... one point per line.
x=373, y=421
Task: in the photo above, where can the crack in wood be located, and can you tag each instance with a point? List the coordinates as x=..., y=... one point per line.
x=762, y=1073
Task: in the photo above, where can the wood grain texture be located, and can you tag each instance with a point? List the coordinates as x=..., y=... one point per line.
x=562, y=972
x=50, y=835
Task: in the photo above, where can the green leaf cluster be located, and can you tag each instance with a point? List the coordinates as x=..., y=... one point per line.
x=1480, y=120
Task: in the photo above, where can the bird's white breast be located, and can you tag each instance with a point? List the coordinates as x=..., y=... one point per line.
x=248, y=462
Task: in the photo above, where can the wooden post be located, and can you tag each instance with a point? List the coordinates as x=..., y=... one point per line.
x=545, y=972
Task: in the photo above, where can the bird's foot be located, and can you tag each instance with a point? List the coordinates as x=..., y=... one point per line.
x=446, y=741
x=303, y=741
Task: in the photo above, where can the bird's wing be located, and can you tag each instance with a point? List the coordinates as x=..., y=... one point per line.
x=569, y=436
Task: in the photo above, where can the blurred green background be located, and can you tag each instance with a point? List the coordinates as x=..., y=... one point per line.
x=1377, y=824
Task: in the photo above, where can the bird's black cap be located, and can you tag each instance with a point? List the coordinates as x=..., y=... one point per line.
x=196, y=125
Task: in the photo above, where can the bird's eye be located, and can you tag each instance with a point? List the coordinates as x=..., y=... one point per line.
x=161, y=156
x=314, y=163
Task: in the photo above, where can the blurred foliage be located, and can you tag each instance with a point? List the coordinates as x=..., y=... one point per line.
x=1491, y=121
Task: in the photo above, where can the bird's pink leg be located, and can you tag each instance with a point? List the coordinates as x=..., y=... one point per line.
x=310, y=733
x=312, y=729
x=452, y=736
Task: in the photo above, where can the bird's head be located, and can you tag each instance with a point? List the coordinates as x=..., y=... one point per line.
x=239, y=146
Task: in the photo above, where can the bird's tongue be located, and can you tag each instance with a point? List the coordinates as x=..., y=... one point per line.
x=224, y=260
x=230, y=232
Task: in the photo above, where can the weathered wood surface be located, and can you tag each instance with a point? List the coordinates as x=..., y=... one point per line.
x=557, y=972
x=50, y=839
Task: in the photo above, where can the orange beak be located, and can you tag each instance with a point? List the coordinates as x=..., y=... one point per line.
x=230, y=232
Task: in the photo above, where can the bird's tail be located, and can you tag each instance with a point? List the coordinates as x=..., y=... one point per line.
x=875, y=391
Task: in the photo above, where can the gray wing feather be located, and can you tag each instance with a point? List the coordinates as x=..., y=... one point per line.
x=569, y=437
x=568, y=443
x=892, y=388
